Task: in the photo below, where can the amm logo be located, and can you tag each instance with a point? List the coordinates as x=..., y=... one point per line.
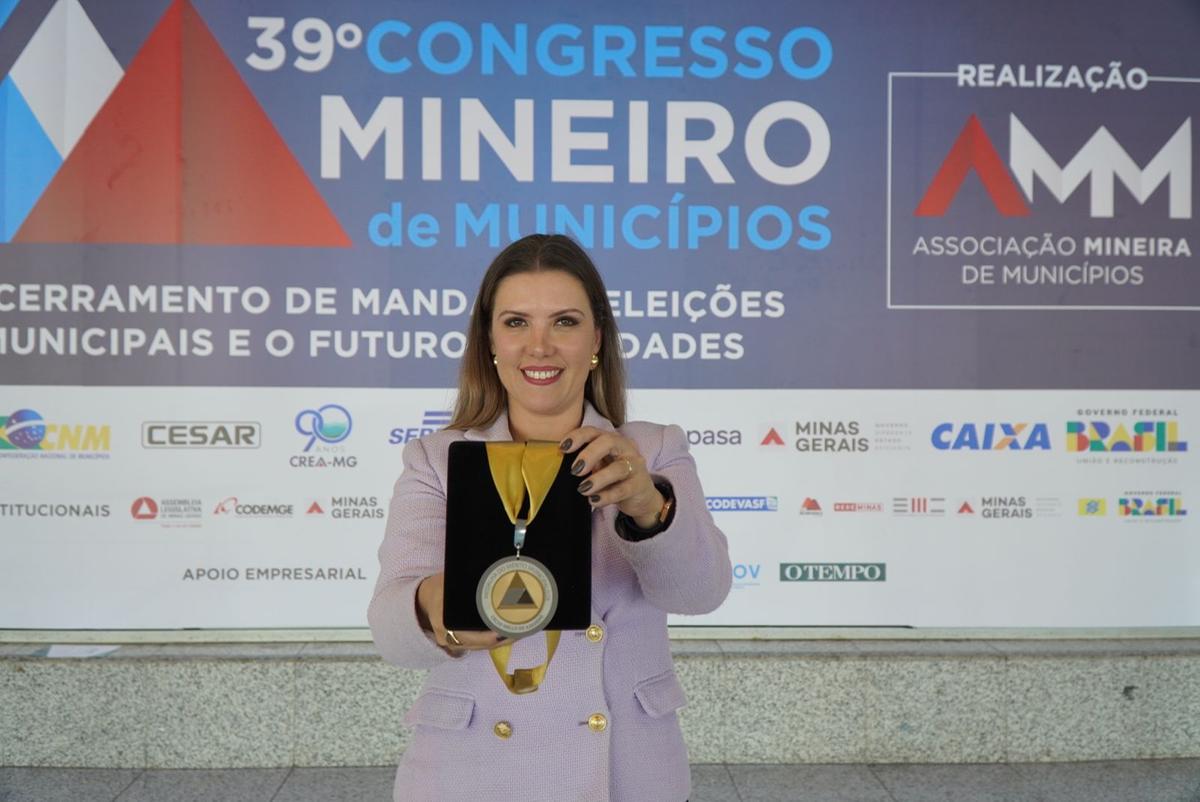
x=26, y=430
x=1104, y=436
x=1102, y=159
x=991, y=437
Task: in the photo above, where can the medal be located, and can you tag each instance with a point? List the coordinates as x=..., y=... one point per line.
x=517, y=596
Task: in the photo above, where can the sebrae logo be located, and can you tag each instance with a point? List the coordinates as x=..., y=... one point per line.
x=1102, y=160
x=991, y=437
x=221, y=177
x=431, y=421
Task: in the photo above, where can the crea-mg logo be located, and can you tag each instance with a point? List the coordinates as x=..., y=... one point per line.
x=1102, y=159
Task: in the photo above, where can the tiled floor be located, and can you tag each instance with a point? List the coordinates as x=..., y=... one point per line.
x=1107, y=781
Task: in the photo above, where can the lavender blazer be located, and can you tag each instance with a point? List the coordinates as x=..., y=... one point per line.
x=625, y=674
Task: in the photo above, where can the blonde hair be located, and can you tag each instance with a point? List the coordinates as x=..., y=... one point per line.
x=481, y=396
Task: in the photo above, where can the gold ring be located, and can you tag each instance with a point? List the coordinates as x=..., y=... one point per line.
x=630, y=465
x=450, y=636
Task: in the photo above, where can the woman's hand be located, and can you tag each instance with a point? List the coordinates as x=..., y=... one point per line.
x=613, y=472
x=430, y=603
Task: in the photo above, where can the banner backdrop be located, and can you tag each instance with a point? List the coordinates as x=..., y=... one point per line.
x=239, y=245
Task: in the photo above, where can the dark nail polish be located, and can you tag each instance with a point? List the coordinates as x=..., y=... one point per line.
x=593, y=499
x=577, y=468
x=565, y=445
x=586, y=486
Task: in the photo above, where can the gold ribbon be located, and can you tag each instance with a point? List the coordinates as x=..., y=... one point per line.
x=517, y=467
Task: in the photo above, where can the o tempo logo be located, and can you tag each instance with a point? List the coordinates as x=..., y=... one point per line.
x=833, y=572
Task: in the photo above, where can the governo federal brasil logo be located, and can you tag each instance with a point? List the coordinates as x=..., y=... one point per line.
x=65, y=145
x=1125, y=436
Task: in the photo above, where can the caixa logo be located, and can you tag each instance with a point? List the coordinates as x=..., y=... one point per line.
x=991, y=437
x=1102, y=159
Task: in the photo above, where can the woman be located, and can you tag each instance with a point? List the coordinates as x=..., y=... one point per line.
x=543, y=362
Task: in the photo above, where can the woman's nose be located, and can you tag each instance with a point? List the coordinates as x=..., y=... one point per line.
x=539, y=340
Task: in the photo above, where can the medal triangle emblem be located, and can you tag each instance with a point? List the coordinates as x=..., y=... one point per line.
x=517, y=595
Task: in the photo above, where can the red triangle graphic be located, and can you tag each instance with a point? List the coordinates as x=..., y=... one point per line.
x=315, y=509
x=772, y=439
x=972, y=150
x=182, y=153
x=965, y=509
x=144, y=509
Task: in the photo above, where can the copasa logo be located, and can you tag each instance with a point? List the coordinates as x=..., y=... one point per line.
x=1102, y=159
x=714, y=437
x=991, y=437
x=330, y=424
x=1162, y=435
x=26, y=430
x=223, y=177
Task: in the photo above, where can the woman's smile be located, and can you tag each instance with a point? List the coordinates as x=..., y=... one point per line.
x=541, y=375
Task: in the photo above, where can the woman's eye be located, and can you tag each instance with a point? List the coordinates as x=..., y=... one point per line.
x=567, y=321
x=514, y=322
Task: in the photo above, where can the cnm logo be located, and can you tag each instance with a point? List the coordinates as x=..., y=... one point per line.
x=1102, y=159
